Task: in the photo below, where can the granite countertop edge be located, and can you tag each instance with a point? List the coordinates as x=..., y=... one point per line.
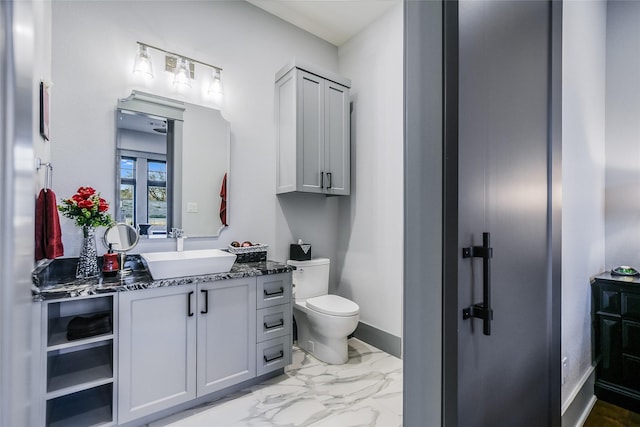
x=55, y=280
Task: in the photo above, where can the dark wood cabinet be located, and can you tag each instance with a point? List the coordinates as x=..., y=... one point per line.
x=616, y=339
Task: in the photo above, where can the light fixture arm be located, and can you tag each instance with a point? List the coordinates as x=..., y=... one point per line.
x=180, y=56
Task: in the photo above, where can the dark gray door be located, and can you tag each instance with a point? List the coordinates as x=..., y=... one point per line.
x=503, y=363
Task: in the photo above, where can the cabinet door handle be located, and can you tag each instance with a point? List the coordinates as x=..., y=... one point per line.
x=189, y=310
x=321, y=180
x=279, y=356
x=206, y=301
x=278, y=292
x=274, y=325
x=329, y=176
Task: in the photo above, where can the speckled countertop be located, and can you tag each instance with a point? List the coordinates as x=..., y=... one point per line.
x=57, y=279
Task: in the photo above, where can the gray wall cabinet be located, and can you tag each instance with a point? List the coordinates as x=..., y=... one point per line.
x=312, y=131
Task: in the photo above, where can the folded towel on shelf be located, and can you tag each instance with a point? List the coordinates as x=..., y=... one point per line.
x=48, y=234
x=83, y=327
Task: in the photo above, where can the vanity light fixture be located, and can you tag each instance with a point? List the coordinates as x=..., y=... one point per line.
x=142, y=64
x=183, y=68
x=215, y=88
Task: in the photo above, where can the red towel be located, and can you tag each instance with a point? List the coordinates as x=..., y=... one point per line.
x=48, y=233
x=223, y=202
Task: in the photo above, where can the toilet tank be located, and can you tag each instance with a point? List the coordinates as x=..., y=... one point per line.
x=310, y=278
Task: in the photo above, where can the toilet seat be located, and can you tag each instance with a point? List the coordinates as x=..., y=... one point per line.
x=333, y=305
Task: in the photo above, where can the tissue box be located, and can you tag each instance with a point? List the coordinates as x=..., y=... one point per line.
x=300, y=252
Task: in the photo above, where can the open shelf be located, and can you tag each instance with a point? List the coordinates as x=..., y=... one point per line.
x=58, y=333
x=87, y=408
x=72, y=371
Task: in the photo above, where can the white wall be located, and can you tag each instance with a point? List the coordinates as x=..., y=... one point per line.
x=93, y=52
x=94, y=44
x=583, y=153
x=370, y=238
x=623, y=135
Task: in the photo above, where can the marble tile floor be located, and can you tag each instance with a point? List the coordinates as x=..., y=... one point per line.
x=366, y=391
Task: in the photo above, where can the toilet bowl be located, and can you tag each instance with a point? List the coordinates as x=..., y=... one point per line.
x=324, y=321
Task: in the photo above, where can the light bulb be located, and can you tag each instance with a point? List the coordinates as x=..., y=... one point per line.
x=182, y=77
x=142, y=63
x=215, y=88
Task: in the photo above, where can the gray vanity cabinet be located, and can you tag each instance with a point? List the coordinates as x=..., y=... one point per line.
x=183, y=342
x=313, y=131
x=157, y=350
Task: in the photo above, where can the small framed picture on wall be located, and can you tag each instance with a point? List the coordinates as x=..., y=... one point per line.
x=44, y=110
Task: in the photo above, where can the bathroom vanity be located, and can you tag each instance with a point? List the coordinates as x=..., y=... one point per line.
x=169, y=344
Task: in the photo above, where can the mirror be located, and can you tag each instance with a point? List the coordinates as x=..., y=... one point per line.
x=172, y=166
x=122, y=237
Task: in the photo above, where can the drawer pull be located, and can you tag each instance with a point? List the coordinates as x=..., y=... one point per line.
x=274, y=325
x=278, y=292
x=279, y=356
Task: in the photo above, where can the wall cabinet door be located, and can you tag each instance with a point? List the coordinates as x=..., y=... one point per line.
x=337, y=139
x=226, y=348
x=310, y=132
x=313, y=134
x=157, y=350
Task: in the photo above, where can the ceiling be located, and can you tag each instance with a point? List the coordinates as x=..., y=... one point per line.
x=335, y=21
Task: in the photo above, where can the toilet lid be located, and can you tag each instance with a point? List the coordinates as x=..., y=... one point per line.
x=333, y=305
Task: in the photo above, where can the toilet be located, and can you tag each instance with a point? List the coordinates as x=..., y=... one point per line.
x=324, y=321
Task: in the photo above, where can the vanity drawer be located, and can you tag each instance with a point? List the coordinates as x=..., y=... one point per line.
x=273, y=322
x=273, y=354
x=274, y=289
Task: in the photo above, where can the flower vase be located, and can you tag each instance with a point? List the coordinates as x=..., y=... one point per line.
x=88, y=259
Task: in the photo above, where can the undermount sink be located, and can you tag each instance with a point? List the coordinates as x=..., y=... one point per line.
x=164, y=265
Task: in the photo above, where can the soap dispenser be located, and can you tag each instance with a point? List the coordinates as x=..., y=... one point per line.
x=110, y=265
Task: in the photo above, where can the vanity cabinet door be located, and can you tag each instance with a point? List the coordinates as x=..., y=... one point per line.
x=226, y=333
x=157, y=347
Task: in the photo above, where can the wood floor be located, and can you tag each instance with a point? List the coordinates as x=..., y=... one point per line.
x=605, y=414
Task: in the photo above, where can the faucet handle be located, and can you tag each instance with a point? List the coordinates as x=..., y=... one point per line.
x=177, y=232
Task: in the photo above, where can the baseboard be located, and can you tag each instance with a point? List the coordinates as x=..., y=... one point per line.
x=580, y=402
x=378, y=338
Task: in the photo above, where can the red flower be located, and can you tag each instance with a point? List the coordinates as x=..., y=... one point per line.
x=86, y=192
x=103, y=206
x=88, y=204
x=87, y=208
